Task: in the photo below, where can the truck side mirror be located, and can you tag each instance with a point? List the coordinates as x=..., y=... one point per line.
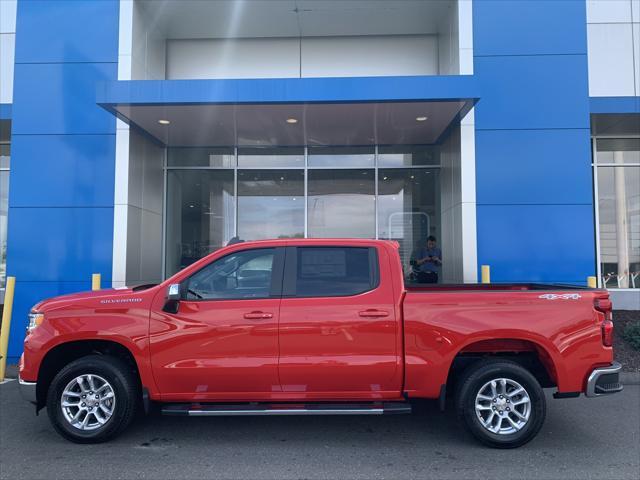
x=173, y=292
x=173, y=298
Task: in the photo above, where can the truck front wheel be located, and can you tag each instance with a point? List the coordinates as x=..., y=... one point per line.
x=92, y=399
x=501, y=403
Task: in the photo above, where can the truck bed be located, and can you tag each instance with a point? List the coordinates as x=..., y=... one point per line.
x=474, y=287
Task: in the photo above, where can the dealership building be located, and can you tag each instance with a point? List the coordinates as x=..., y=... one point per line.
x=138, y=136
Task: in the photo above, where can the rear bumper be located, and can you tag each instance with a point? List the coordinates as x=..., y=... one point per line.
x=604, y=381
x=28, y=390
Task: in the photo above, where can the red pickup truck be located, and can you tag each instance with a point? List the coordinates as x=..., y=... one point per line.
x=295, y=327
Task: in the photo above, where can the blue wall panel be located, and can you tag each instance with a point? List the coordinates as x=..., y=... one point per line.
x=533, y=176
x=529, y=27
x=540, y=91
x=86, y=160
x=55, y=31
x=533, y=166
x=537, y=243
x=61, y=195
x=61, y=98
x=61, y=244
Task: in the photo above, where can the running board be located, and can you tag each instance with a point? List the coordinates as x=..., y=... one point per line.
x=219, y=410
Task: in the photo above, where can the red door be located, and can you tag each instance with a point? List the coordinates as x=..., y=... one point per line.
x=222, y=343
x=338, y=331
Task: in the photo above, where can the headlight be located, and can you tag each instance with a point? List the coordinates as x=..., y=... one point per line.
x=35, y=319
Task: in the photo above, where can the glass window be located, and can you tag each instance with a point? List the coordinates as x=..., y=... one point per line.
x=4, y=209
x=408, y=208
x=341, y=203
x=270, y=157
x=619, y=217
x=5, y=155
x=200, y=215
x=270, y=204
x=334, y=271
x=618, y=150
x=244, y=274
x=4, y=214
x=341, y=156
x=201, y=157
x=408, y=156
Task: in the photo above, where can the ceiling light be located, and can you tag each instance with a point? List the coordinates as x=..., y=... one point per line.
x=164, y=122
x=421, y=119
x=191, y=206
x=292, y=120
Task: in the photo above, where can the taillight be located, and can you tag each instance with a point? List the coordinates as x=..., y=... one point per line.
x=607, y=333
x=604, y=306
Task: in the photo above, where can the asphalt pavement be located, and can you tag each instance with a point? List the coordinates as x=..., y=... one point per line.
x=582, y=439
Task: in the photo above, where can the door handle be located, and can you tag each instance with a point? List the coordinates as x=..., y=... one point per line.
x=373, y=313
x=258, y=315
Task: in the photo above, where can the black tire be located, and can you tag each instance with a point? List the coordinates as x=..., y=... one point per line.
x=473, y=380
x=125, y=389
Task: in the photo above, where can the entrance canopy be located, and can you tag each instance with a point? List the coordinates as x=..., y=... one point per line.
x=286, y=112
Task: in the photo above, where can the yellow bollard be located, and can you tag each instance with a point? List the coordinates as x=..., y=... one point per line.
x=592, y=282
x=95, y=281
x=486, y=274
x=6, y=324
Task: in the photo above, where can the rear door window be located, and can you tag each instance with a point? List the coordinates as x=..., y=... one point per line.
x=330, y=271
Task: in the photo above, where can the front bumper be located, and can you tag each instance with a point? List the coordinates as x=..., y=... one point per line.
x=28, y=390
x=604, y=381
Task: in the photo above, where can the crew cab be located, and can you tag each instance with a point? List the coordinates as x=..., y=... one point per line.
x=304, y=326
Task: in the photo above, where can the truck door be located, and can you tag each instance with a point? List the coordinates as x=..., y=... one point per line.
x=222, y=343
x=338, y=330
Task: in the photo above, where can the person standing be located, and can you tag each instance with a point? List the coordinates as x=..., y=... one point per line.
x=427, y=261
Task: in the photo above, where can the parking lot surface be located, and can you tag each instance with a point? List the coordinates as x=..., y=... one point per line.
x=582, y=438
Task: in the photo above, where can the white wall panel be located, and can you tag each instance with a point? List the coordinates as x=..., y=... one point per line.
x=237, y=58
x=635, y=10
x=8, y=16
x=608, y=11
x=7, y=52
x=148, y=46
x=370, y=56
x=611, y=68
x=321, y=57
x=636, y=56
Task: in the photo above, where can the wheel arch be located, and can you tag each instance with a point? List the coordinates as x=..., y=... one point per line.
x=66, y=352
x=533, y=355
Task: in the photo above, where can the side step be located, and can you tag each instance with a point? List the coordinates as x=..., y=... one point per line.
x=213, y=410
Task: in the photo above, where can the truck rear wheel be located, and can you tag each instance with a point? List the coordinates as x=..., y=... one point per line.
x=92, y=399
x=501, y=403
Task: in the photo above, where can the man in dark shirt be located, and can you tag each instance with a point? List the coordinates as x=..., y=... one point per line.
x=428, y=261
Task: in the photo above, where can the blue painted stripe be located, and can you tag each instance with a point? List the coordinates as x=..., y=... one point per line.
x=614, y=104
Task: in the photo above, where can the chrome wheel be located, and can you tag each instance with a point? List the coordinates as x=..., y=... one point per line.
x=88, y=402
x=503, y=406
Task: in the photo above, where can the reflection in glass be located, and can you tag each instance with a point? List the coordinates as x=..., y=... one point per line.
x=200, y=215
x=270, y=204
x=271, y=157
x=341, y=156
x=4, y=212
x=341, y=203
x=619, y=217
x=409, y=208
x=201, y=157
x=408, y=156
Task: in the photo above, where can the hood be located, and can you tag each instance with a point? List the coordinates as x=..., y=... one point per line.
x=92, y=299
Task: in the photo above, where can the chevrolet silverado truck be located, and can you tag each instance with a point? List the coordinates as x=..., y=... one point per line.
x=321, y=327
